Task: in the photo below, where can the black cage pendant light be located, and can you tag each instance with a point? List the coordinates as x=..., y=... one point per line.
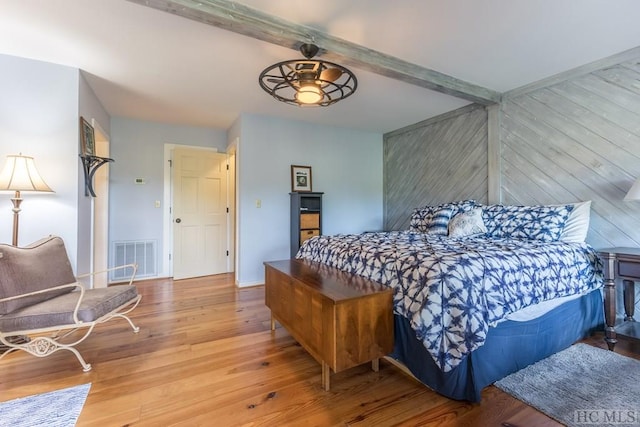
x=308, y=82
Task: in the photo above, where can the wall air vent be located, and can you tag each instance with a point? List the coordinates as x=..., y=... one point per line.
x=141, y=252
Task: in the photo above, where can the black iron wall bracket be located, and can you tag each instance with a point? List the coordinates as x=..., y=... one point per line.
x=90, y=166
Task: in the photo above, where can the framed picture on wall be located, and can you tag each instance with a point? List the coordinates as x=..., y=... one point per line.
x=87, y=138
x=300, y=178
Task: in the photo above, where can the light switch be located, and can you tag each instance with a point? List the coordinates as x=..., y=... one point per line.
x=157, y=203
x=258, y=203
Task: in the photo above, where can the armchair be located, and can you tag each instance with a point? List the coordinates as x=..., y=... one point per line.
x=41, y=299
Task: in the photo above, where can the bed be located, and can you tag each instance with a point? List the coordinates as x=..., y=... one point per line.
x=480, y=291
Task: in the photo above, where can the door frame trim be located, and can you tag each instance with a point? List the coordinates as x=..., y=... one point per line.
x=103, y=147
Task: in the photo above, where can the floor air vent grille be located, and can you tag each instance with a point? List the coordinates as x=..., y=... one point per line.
x=142, y=252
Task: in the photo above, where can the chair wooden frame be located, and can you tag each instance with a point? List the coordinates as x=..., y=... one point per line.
x=43, y=342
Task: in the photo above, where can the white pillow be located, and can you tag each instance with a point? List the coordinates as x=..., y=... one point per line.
x=577, y=225
x=466, y=224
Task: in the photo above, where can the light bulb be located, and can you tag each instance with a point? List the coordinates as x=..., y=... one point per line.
x=309, y=94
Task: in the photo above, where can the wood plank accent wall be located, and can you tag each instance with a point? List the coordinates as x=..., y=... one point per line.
x=435, y=161
x=578, y=140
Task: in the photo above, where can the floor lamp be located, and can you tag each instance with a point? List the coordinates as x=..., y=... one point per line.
x=20, y=174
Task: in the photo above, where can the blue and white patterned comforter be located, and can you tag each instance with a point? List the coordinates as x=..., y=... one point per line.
x=453, y=290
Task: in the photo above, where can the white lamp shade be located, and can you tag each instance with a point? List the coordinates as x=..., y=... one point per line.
x=20, y=174
x=634, y=192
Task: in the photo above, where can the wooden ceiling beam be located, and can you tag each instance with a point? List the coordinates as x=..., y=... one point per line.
x=247, y=21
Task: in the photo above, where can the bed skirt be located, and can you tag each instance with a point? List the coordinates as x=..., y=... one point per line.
x=509, y=347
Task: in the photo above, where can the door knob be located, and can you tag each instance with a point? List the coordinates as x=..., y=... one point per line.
x=178, y=220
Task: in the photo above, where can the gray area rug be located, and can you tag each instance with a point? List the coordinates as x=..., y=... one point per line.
x=60, y=408
x=581, y=386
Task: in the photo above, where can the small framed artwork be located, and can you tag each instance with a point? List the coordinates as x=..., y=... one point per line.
x=87, y=138
x=300, y=178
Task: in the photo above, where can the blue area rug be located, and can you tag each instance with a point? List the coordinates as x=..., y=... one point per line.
x=60, y=408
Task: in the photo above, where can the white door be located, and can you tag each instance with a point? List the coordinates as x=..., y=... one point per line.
x=200, y=213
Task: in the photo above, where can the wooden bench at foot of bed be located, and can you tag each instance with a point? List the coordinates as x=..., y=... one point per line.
x=342, y=320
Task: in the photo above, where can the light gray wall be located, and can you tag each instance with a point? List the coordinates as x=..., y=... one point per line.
x=346, y=166
x=39, y=117
x=575, y=140
x=137, y=148
x=578, y=140
x=439, y=160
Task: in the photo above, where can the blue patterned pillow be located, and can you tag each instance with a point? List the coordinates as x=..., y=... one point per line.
x=539, y=222
x=434, y=219
x=462, y=206
x=430, y=220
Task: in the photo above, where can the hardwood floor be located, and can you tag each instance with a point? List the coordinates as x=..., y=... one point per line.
x=205, y=356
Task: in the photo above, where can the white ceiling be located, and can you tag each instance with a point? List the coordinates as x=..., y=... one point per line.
x=151, y=65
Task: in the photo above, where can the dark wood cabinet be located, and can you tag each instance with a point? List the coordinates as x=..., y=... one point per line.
x=306, y=218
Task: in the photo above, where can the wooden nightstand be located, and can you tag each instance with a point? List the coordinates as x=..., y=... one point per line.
x=620, y=263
